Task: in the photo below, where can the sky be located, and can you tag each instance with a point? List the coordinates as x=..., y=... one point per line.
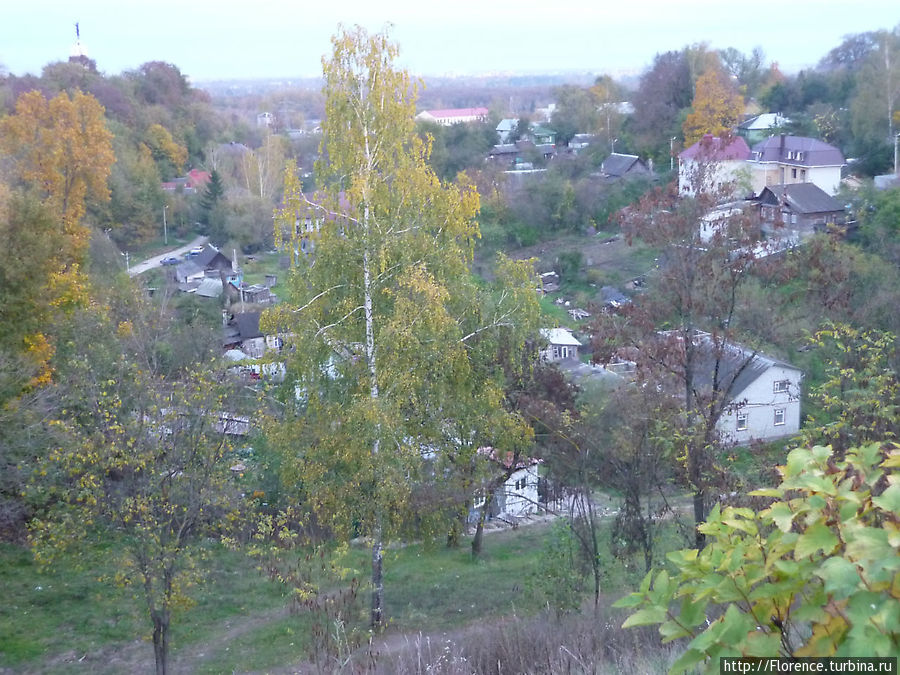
x=230, y=39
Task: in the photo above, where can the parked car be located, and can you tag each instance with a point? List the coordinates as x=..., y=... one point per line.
x=171, y=260
x=197, y=250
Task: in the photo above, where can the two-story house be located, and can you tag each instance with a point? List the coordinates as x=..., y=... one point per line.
x=714, y=165
x=763, y=394
x=785, y=160
x=798, y=210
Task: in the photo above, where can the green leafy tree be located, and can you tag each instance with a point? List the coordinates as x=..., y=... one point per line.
x=860, y=394
x=140, y=458
x=681, y=333
x=558, y=580
x=816, y=573
x=393, y=343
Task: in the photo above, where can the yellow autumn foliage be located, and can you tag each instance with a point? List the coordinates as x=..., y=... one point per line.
x=716, y=108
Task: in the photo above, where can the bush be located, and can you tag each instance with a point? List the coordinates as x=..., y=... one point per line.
x=815, y=574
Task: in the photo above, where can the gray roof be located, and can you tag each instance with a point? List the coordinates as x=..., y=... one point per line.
x=801, y=198
x=738, y=367
x=504, y=149
x=784, y=149
x=248, y=325
x=209, y=255
x=614, y=295
x=210, y=288
x=188, y=268
x=618, y=164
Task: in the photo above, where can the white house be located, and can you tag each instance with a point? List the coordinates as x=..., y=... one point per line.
x=718, y=220
x=449, y=116
x=518, y=496
x=784, y=160
x=561, y=344
x=506, y=127
x=759, y=127
x=713, y=164
x=764, y=396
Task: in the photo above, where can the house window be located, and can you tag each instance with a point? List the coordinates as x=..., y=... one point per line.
x=742, y=422
x=782, y=386
x=793, y=173
x=779, y=417
x=555, y=352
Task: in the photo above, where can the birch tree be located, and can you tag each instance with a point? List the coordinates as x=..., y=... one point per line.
x=392, y=347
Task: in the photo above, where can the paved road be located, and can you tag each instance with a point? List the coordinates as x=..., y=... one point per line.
x=150, y=263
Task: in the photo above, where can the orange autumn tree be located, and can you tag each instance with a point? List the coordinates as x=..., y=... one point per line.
x=716, y=108
x=58, y=153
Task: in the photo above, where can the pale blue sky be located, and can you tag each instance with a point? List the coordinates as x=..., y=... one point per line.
x=283, y=38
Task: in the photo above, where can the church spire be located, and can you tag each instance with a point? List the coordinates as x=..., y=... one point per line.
x=78, y=53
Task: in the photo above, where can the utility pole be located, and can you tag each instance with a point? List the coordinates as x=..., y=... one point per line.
x=896, y=157
x=165, y=226
x=672, y=153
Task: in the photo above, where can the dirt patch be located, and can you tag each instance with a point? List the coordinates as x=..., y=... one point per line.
x=603, y=252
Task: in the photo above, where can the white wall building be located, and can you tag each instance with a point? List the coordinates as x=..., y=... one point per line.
x=561, y=344
x=714, y=165
x=765, y=399
x=784, y=160
x=449, y=116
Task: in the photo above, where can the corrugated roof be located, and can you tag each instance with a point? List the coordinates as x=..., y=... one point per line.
x=560, y=336
x=210, y=288
x=457, y=112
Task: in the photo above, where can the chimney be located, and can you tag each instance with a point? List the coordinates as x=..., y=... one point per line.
x=781, y=148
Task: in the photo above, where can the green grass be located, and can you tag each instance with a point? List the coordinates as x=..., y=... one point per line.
x=556, y=313
x=239, y=620
x=255, y=270
x=68, y=609
x=444, y=588
x=60, y=609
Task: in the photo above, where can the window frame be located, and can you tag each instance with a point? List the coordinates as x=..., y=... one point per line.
x=780, y=412
x=743, y=422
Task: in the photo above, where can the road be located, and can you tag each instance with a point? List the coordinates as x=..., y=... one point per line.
x=150, y=263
